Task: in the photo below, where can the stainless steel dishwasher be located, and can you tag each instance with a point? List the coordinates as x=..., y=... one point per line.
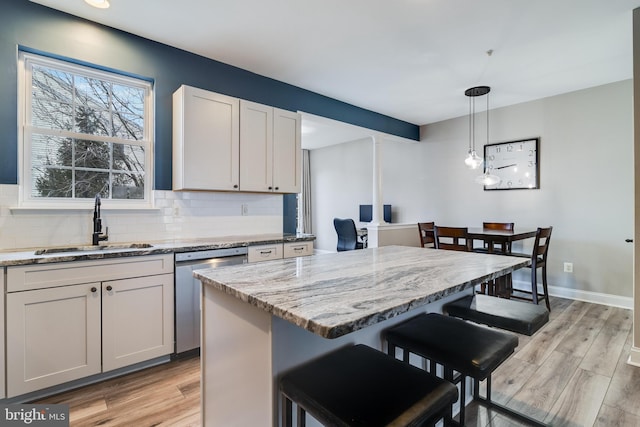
x=187, y=292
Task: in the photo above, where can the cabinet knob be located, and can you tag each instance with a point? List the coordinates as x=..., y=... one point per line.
x=109, y=288
x=628, y=240
x=277, y=188
x=270, y=188
x=94, y=289
x=235, y=186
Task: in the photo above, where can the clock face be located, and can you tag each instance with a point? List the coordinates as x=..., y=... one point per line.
x=515, y=163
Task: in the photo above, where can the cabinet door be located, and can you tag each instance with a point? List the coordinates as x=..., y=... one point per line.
x=287, y=151
x=256, y=147
x=137, y=320
x=53, y=336
x=206, y=150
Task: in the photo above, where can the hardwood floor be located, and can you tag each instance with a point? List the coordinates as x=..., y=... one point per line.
x=165, y=395
x=571, y=373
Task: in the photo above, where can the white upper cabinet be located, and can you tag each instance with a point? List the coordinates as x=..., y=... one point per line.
x=270, y=149
x=256, y=147
x=227, y=144
x=287, y=151
x=206, y=141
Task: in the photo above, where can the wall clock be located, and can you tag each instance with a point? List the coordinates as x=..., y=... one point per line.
x=515, y=163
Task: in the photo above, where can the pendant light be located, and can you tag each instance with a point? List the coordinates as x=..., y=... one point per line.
x=473, y=161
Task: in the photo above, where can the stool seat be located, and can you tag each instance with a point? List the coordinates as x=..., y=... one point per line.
x=514, y=316
x=470, y=349
x=360, y=386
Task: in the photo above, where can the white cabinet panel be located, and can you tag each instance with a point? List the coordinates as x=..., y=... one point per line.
x=137, y=320
x=256, y=147
x=206, y=140
x=287, y=151
x=2, y=336
x=53, y=336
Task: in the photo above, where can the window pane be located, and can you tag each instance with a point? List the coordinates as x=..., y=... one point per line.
x=128, y=126
x=128, y=186
x=51, y=114
x=128, y=158
x=91, y=121
x=92, y=93
x=128, y=100
x=90, y=183
x=54, y=85
x=50, y=150
x=92, y=154
x=51, y=182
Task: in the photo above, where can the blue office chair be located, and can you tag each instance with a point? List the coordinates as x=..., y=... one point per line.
x=347, y=235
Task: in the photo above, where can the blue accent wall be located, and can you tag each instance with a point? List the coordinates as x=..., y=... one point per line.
x=39, y=28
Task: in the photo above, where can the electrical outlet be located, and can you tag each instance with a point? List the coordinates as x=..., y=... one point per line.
x=568, y=267
x=245, y=209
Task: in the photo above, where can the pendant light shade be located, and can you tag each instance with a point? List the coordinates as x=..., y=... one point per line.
x=487, y=178
x=473, y=161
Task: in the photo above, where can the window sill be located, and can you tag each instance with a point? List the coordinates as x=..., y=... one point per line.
x=44, y=209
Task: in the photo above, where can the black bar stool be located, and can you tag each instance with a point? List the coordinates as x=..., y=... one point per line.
x=515, y=316
x=460, y=347
x=360, y=386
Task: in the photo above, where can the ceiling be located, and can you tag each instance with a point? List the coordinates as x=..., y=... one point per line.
x=408, y=59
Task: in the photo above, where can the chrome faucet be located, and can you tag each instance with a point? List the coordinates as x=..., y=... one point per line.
x=97, y=235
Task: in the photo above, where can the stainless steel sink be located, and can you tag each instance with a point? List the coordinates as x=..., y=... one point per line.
x=92, y=248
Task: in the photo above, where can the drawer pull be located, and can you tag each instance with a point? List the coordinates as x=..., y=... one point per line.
x=300, y=248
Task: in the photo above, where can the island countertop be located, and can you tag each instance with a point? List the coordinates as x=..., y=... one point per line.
x=334, y=294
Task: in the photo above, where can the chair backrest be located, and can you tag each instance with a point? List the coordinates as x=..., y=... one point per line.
x=347, y=234
x=427, y=239
x=507, y=226
x=452, y=238
x=541, y=246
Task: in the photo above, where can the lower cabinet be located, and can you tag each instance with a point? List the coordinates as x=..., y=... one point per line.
x=64, y=333
x=53, y=336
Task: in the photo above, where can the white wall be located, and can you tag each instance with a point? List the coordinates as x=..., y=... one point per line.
x=586, y=179
x=179, y=215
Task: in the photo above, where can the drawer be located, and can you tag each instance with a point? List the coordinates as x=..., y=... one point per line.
x=40, y=276
x=295, y=249
x=264, y=252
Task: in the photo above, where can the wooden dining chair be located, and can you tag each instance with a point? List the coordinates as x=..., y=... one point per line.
x=427, y=239
x=538, y=260
x=506, y=226
x=451, y=238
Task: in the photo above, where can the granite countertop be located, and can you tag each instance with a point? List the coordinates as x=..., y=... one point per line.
x=335, y=294
x=115, y=250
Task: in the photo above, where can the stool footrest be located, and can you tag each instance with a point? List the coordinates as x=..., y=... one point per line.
x=510, y=412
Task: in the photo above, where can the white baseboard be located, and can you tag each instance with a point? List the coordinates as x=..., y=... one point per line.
x=586, y=296
x=634, y=357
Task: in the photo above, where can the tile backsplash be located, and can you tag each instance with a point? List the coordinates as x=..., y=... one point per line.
x=176, y=216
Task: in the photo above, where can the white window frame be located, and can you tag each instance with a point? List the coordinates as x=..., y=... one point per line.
x=25, y=62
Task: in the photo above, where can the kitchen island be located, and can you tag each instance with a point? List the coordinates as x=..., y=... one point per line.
x=259, y=320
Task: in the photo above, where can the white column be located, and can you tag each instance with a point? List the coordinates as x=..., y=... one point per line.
x=377, y=216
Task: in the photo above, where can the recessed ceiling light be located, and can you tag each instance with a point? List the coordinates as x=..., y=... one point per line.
x=100, y=4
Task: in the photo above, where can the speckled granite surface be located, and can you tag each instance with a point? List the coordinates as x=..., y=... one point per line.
x=23, y=257
x=335, y=294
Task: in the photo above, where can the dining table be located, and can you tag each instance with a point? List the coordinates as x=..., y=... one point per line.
x=260, y=320
x=502, y=237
